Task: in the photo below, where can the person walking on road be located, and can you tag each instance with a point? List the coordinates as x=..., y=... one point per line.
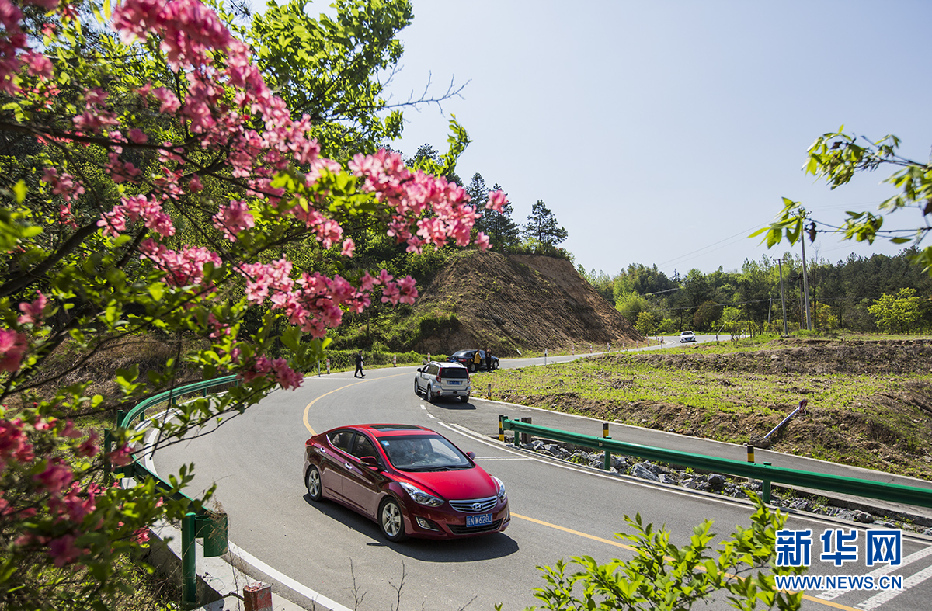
x=359, y=365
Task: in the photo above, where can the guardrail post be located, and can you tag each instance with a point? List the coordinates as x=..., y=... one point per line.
x=750, y=452
x=188, y=559
x=328, y=365
x=490, y=391
x=501, y=425
x=765, y=488
x=526, y=437
x=607, y=457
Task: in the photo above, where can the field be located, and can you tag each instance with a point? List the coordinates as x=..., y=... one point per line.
x=869, y=401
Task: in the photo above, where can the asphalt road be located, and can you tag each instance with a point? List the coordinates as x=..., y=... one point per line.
x=558, y=510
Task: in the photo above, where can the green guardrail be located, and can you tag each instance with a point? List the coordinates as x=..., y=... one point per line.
x=896, y=493
x=210, y=526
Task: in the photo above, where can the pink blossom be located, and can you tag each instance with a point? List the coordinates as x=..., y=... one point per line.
x=88, y=447
x=56, y=476
x=285, y=376
x=72, y=506
x=183, y=268
x=349, y=247
x=13, y=442
x=407, y=290
x=63, y=184
x=482, y=241
x=141, y=535
x=37, y=64
x=121, y=456
x=13, y=346
x=32, y=312
x=138, y=136
x=233, y=219
x=69, y=431
x=384, y=277
x=137, y=207
x=169, y=100
x=64, y=551
x=367, y=282
x=497, y=200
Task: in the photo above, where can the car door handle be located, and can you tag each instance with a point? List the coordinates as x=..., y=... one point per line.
x=348, y=465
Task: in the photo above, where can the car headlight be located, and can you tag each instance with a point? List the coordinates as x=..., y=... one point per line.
x=420, y=497
x=501, y=489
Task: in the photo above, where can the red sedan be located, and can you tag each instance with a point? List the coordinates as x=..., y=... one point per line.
x=412, y=481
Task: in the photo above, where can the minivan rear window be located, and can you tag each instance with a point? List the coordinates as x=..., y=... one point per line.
x=454, y=372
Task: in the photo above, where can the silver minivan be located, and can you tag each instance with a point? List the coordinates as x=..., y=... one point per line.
x=438, y=380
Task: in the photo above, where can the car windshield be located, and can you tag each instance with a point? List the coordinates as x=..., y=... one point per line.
x=423, y=454
x=462, y=353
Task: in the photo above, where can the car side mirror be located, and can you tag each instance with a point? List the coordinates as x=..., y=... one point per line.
x=471, y=455
x=369, y=461
x=420, y=370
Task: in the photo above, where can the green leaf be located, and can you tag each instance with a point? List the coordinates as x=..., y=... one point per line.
x=157, y=291
x=19, y=189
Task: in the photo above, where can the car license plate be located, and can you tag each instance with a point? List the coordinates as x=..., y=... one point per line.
x=454, y=383
x=485, y=518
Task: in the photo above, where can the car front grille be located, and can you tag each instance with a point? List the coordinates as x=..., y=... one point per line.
x=474, y=505
x=463, y=530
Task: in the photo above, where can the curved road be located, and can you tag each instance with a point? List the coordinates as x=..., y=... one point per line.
x=558, y=511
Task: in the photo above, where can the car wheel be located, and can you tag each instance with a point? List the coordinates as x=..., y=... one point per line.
x=417, y=389
x=430, y=394
x=391, y=520
x=464, y=398
x=315, y=489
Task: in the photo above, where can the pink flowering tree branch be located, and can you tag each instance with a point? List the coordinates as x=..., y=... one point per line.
x=156, y=186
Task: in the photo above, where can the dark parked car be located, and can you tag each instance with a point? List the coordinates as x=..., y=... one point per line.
x=468, y=358
x=412, y=481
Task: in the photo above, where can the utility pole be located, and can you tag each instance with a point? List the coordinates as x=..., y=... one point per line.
x=782, y=297
x=806, y=287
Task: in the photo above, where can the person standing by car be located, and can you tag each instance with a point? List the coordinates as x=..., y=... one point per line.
x=477, y=360
x=359, y=365
x=488, y=360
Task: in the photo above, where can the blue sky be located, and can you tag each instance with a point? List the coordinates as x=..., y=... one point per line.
x=665, y=132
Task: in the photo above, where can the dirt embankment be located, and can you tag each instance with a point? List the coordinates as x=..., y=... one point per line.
x=519, y=302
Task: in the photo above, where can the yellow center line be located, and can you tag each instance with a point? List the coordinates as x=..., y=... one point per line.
x=827, y=603
x=307, y=408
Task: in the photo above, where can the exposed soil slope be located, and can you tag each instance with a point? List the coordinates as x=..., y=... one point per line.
x=517, y=302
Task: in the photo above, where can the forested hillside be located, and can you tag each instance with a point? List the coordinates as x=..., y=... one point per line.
x=847, y=294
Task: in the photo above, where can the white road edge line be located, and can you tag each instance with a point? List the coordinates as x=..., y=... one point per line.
x=887, y=595
x=880, y=571
x=251, y=560
x=286, y=581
